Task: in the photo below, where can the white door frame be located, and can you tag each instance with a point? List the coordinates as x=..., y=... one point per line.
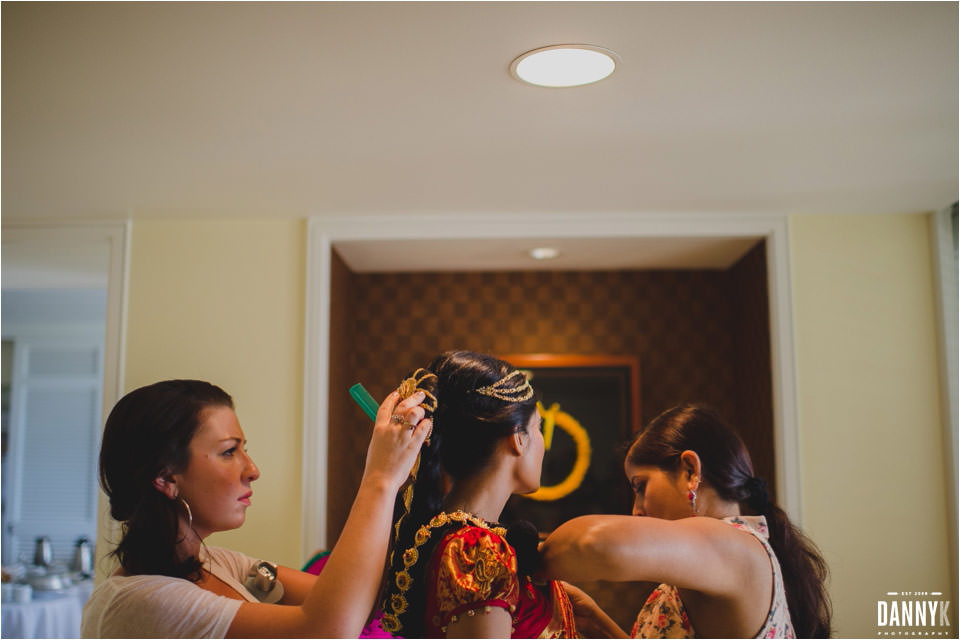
x=324, y=232
x=945, y=279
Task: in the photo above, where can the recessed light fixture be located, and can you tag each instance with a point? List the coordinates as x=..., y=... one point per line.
x=564, y=65
x=544, y=253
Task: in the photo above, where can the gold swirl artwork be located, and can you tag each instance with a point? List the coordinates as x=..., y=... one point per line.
x=555, y=418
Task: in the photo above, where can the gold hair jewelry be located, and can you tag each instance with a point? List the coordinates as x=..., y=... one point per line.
x=410, y=386
x=501, y=391
x=407, y=388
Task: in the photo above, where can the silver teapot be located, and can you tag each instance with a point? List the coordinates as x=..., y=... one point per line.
x=43, y=552
x=82, y=558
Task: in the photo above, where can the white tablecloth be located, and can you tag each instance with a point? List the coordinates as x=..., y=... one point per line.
x=48, y=615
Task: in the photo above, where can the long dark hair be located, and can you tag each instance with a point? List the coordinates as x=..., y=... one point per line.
x=148, y=434
x=466, y=428
x=727, y=469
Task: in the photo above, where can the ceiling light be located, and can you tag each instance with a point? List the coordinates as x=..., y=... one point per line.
x=564, y=65
x=544, y=253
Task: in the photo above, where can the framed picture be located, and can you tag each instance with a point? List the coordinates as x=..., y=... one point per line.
x=590, y=407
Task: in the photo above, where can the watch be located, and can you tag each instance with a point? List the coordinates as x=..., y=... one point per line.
x=262, y=582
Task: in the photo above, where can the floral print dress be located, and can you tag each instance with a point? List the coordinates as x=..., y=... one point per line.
x=664, y=616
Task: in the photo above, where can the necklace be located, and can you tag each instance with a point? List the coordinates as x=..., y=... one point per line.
x=403, y=580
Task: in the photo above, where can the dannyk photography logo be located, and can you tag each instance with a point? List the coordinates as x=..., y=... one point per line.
x=913, y=614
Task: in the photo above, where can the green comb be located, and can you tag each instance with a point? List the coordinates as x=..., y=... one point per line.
x=365, y=400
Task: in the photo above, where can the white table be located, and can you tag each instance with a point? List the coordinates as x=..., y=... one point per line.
x=48, y=615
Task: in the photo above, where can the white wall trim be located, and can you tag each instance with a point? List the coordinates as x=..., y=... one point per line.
x=783, y=364
x=325, y=231
x=316, y=386
x=946, y=295
x=118, y=291
x=533, y=225
x=114, y=370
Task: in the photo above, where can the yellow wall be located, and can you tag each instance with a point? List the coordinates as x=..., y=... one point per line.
x=223, y=301
x=869, y=409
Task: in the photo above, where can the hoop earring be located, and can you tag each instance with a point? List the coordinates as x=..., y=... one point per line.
x=186, y=506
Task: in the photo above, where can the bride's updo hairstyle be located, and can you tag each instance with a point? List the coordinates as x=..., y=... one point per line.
x=475, y=400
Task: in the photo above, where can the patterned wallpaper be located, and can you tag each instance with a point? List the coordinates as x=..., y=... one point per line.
x=700, y=336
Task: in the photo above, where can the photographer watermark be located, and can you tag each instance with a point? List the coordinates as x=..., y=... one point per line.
x=913, y=614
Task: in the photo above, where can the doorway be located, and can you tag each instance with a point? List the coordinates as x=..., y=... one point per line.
x=62, y=331
x=400, y=240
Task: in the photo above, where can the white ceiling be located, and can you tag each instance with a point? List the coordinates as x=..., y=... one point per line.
x=299, y=109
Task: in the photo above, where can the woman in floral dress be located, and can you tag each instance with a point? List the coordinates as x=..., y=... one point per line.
x=723, y=574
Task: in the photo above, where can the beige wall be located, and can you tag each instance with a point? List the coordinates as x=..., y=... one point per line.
x=223, y=301
x=870, y=428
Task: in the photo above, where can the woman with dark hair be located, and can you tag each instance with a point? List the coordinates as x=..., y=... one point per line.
x=455, y=572
x=724, y=574
x=173, y=463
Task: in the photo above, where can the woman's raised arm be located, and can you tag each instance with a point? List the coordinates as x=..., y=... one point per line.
x=343, y=595
x=703, y=554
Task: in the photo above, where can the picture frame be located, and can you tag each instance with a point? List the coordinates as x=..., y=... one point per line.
x=590, y=410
